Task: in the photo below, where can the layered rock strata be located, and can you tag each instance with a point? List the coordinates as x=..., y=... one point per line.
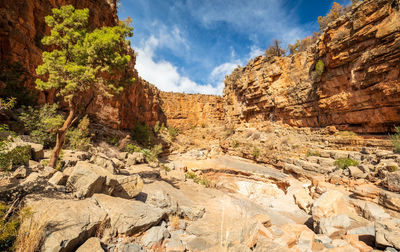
x=184, y=111
x=359, y=89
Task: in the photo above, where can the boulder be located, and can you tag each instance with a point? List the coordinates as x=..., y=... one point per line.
x=355, y=172
x=128, y=186
x=390, y=200
x=155, y=236
x=373, y=212
x=128, y=216
x=334, y=224
x=135, y=158
x=303, y=200
x=332, y=203
x=91, y=245
x=192, y=213
x=68, y=223
x=37, y=152
x=105, y=163
x=393, y=181
x=58, y=178
x=388, y=233
x=88, y=179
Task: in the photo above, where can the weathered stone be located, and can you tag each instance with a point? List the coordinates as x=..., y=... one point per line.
x=91, y=245
x=355, y=172
x=303, y=200
x=20, y=173
x=393, y=181
x=154, y=236
x=128, y=216
x=192, y=213
x=58, y=179
x=374, y=212
x=332, y=203
x=331, y=225
x=135, y=158
x=105, y=163
x=128, y=186
x=387, y=233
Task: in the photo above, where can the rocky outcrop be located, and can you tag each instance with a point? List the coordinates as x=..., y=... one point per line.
x=359, y=89
x=184, y=111
x=22, y=27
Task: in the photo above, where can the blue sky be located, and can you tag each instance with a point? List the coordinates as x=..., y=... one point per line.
x=190, y=45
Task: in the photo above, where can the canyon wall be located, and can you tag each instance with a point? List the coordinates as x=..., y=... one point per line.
x=358, y=91
x=22, y=27
x=184, y=111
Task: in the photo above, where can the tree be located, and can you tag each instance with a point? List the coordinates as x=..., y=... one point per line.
x=82, y=61
x=275, y=50
x=336, y=11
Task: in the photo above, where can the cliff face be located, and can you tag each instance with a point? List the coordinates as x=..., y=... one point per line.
x=359, y=89
x=22, y=27
x=184, y=111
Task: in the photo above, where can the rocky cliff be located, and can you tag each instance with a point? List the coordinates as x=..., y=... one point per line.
x=22, y=27
x=359, y=89
x=184, y=111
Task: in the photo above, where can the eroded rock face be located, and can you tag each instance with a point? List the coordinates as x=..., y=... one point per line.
x=22, y=27
x=184, y=111
x=358, y=91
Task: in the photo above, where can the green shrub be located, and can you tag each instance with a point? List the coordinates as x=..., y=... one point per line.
x=396, y=139
x=42, y=123
x=20, y=155
x=313, y=153
x=131, y=148
x=157, y=128
x=142, y=134
x=79, y=138
x=151, y=155
x=320, y=67
x=256, y=152
x=173, y=133
x=8, y=230
x=344, y=163
x=113, y=140
x=235, y=144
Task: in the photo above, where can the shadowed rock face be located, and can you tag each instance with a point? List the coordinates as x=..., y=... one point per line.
x=22, y=27
x=359, y=89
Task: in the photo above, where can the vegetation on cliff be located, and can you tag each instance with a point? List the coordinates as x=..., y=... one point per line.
x=81, y=62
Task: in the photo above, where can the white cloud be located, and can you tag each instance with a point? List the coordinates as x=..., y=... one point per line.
x=164, y=74
x=255, y=51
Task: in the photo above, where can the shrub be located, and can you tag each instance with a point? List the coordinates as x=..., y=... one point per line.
x=235, y=144
x=320, y=67
x=336, y=11
x=344, y=163
x=396, y=139
x=20, y=155
x=113, y=140
x=198, y=180
x=157, y=128
x=275, y=50
x=42, y=123
x=302, y=45
x=151, y=155
x=131, y=148
x=256, y=152
x=8, y=230
x=79, y=138
x=313, y=153
x=173, y=133
x=142, y=134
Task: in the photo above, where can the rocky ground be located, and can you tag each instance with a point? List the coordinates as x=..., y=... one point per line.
x=219, y=189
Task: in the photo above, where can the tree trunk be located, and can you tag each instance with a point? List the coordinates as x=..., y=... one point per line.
x=61, y=137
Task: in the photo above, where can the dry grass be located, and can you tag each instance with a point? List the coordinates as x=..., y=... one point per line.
x=31, y=233
x=174, y=221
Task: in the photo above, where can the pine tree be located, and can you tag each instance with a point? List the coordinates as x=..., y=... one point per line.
x=81, y=61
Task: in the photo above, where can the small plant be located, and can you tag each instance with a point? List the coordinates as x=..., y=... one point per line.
x=165, y=168
x=235, y=144
x=392, y=168
x=113, y=140
x=198, y=180
x=31, y=232
x=42, y=123
x=396, y=139
x=79, y=138
x=131, y=148
x=142, y=134
x=320, y=67
x=256, y=152
x=343, y=163
x=313, y=153
x=173, y=133
x=8, y=230
x=157, y=128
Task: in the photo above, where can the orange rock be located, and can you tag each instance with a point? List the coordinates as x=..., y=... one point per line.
x=354, y=241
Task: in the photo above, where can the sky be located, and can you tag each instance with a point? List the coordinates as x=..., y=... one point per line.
x=190, y=45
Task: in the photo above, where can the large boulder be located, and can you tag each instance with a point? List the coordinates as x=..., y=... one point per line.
x=67, y=223
x=154, y=236
x=128, y=216
x=332, y=203
x=106, y=163
x=128, y=186
x=91, y=245
x=87, y=179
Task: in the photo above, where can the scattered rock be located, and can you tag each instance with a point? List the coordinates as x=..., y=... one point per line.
x=135, y=158
x=303, y=200
x=155, y=236
x=58, y=178
x=373, y=212
x=192, y=213
x=91, y=245
x=128, y=186
x=393, y=181
x=388, y=233
x=334, y=224
x=331, y=203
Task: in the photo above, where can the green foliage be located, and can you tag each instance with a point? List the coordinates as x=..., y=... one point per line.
x=275, y=50
x=79, y=138
x=13, y=76
x=313, y=153
x=396, y=139
x=173, y=133
x=256, y=152
x=198, y=180
x=344, y=163
x=113, y=140
x=42, y=123
x=131, y=148
x=142, y=134
x=82, y=59
x=320, y=67
x=165, y=168
x=302, y=45
x=157, y=128
x=151, y=154
x=235, y=144
x=8, y=230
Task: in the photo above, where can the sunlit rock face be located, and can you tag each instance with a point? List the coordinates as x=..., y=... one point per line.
x=22, y=27
x=359, y=89
x=184, y=111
